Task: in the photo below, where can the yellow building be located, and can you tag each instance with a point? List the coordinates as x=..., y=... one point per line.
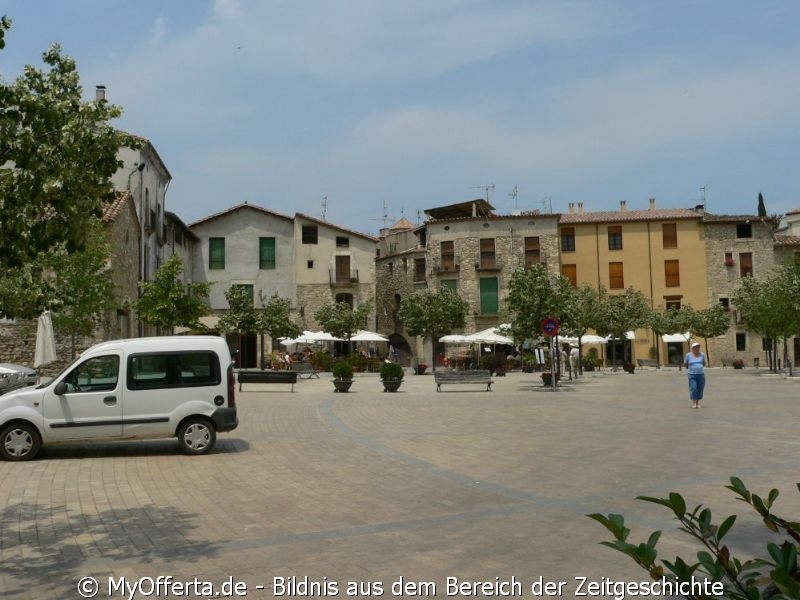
x=660, y=252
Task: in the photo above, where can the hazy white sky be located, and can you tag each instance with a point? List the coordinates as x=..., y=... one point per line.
x=419, y=103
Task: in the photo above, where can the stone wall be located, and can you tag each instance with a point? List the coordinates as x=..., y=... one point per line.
x=18, y=346
x=724, y=280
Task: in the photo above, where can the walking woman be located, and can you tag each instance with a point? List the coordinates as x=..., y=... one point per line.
x=695, y=362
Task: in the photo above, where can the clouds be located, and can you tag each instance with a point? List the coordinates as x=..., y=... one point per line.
x=416, y=102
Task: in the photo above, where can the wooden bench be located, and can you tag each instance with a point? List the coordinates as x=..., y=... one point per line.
x=647, y=362
x=305, y=368
x=476, y=377
x=267, y=377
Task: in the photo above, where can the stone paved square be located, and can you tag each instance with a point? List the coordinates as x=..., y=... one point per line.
x=369, y=487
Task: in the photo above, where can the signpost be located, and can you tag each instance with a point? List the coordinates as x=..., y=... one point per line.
x=550, y=327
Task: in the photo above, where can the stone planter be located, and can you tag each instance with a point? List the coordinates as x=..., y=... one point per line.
x=547, y=378
x=420, y=369
x=342, y=385
x=391, y=385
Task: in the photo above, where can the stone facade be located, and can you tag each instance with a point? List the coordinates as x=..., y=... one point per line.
x=728, y=240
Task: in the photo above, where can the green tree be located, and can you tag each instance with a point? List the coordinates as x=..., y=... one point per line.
x=762, y=209
x=671, y=320
x=710, y=322
x=275, y=320
x=533, y=295
x=57, y=157
x=342, y=320
x=167, y=302
x=620, y=313
x=82, y=283
x=582, y=305
x=241, y=316
x=433, y=314
x=762, y=305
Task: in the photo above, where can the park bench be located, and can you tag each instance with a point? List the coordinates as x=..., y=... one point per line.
x=475, y=376
x=647, y=362
x=305, y=368
x=267, y=377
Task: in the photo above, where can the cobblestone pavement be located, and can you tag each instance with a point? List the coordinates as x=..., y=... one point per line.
x=369, y=487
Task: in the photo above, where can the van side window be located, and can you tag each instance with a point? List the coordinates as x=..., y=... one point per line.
x=98, y=374
x=154, y=370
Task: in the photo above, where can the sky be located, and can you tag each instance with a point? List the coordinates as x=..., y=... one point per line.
x=366, y=111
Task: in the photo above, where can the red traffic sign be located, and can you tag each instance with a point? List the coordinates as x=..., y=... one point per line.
x=550, y=326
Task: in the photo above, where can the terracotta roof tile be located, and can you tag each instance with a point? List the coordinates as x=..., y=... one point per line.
x=240, y=207
x=615, y=216
x=113, y=209
x=787, y=240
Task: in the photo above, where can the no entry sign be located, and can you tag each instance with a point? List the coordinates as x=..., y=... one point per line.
x=550, y=326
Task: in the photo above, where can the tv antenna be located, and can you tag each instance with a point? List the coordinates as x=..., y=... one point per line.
x=486, y=189
x=385, y=216
x=547, y=202
x=703, y=189
x=324, y=206
x=514, y=193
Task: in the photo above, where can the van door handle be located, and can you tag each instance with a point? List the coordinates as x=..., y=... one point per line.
x=110, y=400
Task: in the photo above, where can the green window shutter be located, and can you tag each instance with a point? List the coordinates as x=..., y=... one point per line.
x=266, y=253
x=489, y=302
x=250, y=290
x=216, y=253
x=450, y=284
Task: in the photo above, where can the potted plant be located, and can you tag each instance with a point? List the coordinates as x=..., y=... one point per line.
x=391, y=376
x=421, y=368
x=628, y=367
x=589, y=362
x=342, y=376
x=547, y=378
x=738, y=363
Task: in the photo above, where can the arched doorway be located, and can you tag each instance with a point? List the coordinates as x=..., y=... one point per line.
x=401, y=349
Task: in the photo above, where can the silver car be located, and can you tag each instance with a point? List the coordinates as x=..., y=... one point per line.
x=13, y=377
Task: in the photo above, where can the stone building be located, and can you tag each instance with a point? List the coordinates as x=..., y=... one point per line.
x=469, y=248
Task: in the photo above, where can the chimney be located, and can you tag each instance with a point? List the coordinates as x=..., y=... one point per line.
x=100, y=93
x=623, y=206
x=580, y=208
x=652, y=203
x=571, y=208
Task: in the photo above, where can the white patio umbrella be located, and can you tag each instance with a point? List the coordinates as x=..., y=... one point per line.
x=454, y=338
x=489, y=336
x=368, y=336
x=677, y=337
x=593, y=339
x=45, y=351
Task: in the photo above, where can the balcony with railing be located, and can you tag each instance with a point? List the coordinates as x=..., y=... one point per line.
x=489, y=263
x=446, y=266
x=343, y=278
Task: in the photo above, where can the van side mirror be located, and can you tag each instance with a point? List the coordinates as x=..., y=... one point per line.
x=60, y=389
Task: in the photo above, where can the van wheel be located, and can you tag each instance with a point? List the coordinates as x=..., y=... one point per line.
x=196, y=436
x=19, y=441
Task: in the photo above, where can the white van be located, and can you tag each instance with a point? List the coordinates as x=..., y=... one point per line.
x=159, y=387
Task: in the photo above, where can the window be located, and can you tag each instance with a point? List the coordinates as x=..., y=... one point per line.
x=216, y=253
x=98, y=374
x=266, y=253
x=310, y=264
x=616, y=280
x=487, y=253
x=725, y=303
x=615, y=237
x=568, y=239
x=309, y=234
x=746, y=264
x=729, y=262
x=744, y=230
x=532, y=251
x=451, y=284
x=571, y=273
x=346, y=298
x=419, y=269
x=741, y=342
x=448, y=256
x=248, y=287
x=489, y=298
x=673, y=304
x=672, y=273
x=173, y=369
x=342, y=242
x=669, y=235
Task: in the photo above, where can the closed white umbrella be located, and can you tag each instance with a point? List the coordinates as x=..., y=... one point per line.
x=45, y=351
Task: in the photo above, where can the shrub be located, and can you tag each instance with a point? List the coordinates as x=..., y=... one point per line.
x=391, y=371
x=321, y=361
x=738, y=363
x=773, y=575
x=342, y=370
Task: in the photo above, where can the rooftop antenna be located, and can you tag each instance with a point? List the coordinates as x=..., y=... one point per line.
x=419, y=216
x=703, y=189
x=486, y=189
x=324, y=206
x=514, y=193
x=385, y=216
x=547, y=202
